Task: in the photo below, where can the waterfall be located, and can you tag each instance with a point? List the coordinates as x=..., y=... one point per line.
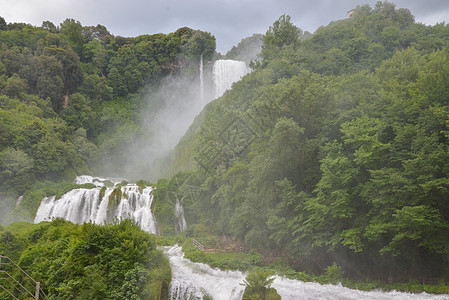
x=19, y=200
x=181, y=223
x=85, y=205
x=201, y=78
x=225, y=73
x=199, y=281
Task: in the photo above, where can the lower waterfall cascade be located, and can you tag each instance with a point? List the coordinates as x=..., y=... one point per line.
x=189, y=280
x=85, y=205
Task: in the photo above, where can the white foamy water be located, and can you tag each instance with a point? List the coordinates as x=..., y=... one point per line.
x=85, y=205
x=201, y=67
x=181, y=223
x=225, y=72
x=290, y=289
x=195, y=280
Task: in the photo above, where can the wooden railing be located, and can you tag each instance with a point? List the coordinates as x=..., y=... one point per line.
x=198, y=245
x=201, y=247
x=14, y=287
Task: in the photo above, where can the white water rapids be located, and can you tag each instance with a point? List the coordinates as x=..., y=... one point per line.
x=197, y=281
x=190, y=280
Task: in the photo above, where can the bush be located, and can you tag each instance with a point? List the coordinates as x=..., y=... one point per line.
x=258, y=286
x=89, y=261
x=333, y=274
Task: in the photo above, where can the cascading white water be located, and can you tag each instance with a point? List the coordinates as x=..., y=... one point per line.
x=225, y=73
x=181, y=223
x=84, y=205
x=195, y=280
x=201, y=78
x=170, y=110
x=19, y=200
x=290, y=289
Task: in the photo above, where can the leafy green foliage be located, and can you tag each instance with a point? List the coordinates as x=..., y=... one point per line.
x=247, y=49
x=281, y=33
x=258, y=286
x=116, y=261
x=334, y=149
x=333, y=273
x=70, y=95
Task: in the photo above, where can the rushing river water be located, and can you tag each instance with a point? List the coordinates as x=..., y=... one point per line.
x=196, y=280
x=190, y=280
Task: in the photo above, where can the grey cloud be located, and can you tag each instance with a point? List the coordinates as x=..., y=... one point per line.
x=228, y=20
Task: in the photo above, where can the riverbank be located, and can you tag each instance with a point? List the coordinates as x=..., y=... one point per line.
x=199, y=280
x=247, y=261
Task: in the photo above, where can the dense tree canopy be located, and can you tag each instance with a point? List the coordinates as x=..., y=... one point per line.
x=335, y=147
x=67, y=91
x=115, y=261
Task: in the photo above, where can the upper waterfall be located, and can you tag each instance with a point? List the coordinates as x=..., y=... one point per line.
x=225, y=73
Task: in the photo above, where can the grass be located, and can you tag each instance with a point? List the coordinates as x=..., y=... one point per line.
x=20, y=228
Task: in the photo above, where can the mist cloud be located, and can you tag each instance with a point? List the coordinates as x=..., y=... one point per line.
x=167, y=113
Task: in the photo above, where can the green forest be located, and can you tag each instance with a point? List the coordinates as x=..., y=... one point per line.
x=114, y=261
x=70, y=95
x=333, y=151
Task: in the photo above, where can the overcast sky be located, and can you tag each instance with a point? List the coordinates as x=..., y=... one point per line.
x=228, y=20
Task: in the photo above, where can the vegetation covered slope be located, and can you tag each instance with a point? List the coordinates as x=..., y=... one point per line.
x=247, y=50
x=334, y=149
x=115, y=261
x=70, y=96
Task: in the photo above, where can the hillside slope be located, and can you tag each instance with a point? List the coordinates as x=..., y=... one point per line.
x=334, y=149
